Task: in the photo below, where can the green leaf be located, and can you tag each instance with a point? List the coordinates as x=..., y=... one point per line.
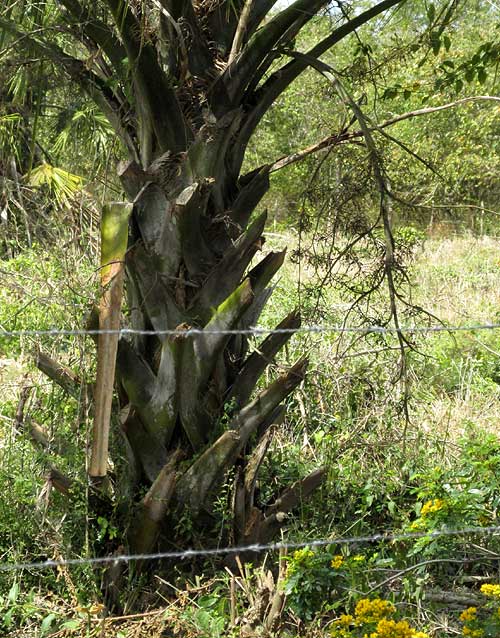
x=389, y=93
x=13, y=594
x=7, y=618
x=431, y=12
x=469, y=74
x=447, y=42
x=71, y=624
x=61, y=183
x=47, y=624
x=482, y=75
x=435, y=40
x=459, y=85
x=407, y=94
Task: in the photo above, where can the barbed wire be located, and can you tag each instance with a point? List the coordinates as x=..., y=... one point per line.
x=256, y=330
x=242, y=549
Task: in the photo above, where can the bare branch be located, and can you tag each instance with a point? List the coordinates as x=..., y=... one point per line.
x=435, y=109
x=345, y=136
x=63, y=376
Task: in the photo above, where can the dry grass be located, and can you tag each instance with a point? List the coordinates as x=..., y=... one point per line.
x=458, y=279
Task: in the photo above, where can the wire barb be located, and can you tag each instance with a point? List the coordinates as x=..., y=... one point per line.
x=256, y=548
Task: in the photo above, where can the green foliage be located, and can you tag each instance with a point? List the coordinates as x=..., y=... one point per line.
x=319, y=581
x=41, y=291
x=20, y=610
x=208, y=617
x=82, y=123
x=465, y=495
x=59, y=183
x=433, y=63
x=9, y=132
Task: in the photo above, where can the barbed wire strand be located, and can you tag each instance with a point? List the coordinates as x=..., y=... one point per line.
x=242, y=549
x=257, y=330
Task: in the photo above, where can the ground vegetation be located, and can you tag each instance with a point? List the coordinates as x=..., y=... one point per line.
x=370, y=135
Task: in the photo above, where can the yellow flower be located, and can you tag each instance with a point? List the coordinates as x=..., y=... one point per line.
x=472, y=633
x=420, y=634
x=373, y=610
x=392, y=629
x=358, y=558
x=341, y=626
x=491, y=590
x=434, y=505
x=468, y=614
x=337, y=561
x=301, y=557
x=344, y=621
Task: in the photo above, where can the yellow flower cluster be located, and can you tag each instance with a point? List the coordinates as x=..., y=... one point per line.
x=375, y=612
x=342, y=625
x=434, y=505
x=301, y=554
x=337, y=561
x=372, y=610
x=468, y=614
x=418, y=525
x=345, y=620
x=491, y=590
x=472, y=633
x=340, y=632
x=392, y=629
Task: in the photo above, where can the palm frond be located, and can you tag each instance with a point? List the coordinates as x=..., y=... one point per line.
x=61, y=184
